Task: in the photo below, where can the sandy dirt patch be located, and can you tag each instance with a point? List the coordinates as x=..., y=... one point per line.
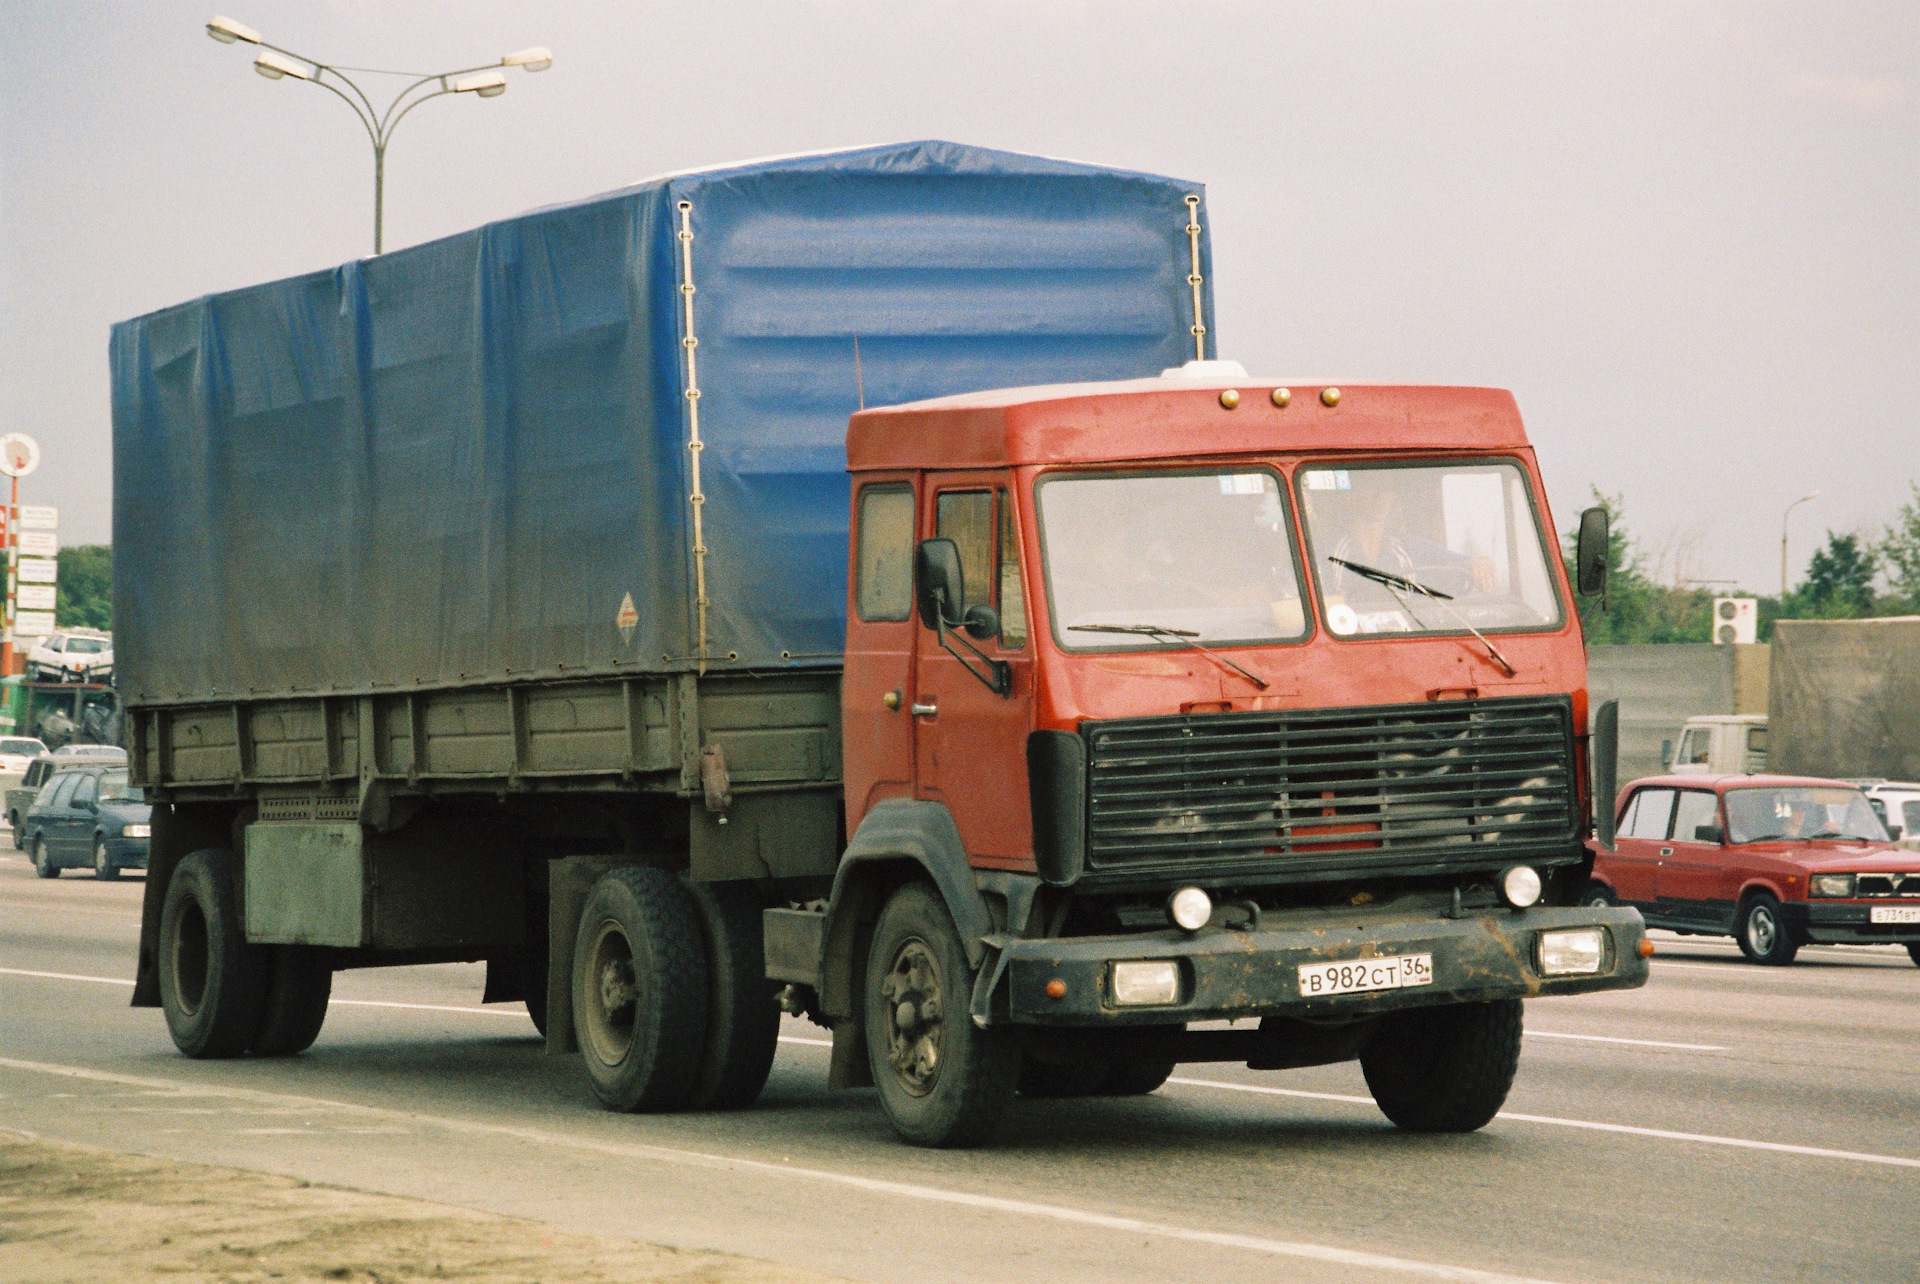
x=70, y=1215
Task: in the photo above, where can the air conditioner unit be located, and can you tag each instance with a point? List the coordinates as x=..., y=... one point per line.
x=1735, y=619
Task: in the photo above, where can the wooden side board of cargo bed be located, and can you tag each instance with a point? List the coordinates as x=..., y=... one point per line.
x=647, y=734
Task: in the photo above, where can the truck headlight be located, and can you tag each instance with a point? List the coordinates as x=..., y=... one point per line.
x=1144, y=984
x=1190, y=908
x=1830, y=885
x=1521, y=886
x=1571, y=953
x=137, y=831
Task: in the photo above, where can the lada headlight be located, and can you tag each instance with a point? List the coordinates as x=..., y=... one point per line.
x=1830, y=885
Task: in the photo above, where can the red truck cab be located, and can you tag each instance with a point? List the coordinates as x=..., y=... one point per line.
x=1239, y=698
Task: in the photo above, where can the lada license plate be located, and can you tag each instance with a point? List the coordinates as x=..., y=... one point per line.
x=1894, y=914
x=1358, y=976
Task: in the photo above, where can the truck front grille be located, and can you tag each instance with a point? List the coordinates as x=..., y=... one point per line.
x=1319, y=793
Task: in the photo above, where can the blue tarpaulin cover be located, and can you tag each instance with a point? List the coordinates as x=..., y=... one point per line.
x=460, y=462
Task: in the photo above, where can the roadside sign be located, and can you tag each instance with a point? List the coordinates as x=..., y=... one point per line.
x=32, y=624
x=36, y=597
x=19, y=454
x=39, y=543
x=39, y=570
x=39, y=517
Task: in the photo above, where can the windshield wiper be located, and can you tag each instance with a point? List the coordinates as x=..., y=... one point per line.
x=1185, y=636
x=1392, y=581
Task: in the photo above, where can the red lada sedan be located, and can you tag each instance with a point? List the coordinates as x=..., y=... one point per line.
x=1776, y=862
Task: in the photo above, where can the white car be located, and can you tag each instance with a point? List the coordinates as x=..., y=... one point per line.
x=16, y=752
x=76, y=655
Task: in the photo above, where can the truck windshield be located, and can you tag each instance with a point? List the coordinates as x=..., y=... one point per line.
x=1427, y=548
x=1756, y=815
x=1201, y=556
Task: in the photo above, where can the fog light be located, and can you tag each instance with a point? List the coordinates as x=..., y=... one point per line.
x=1521, y=886
x=137, y=831
x=1190, y=908
x=1139, y=984
x=1571, y=953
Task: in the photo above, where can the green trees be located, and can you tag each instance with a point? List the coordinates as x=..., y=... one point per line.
x=85, y=596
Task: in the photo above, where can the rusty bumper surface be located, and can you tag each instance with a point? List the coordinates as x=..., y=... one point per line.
x=1491, y=955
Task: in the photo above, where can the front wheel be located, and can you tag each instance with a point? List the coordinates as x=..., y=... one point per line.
x=943, y=1080
x=1444, y=1069
x=1763, y=936
x=103, y=866
x=43, y=860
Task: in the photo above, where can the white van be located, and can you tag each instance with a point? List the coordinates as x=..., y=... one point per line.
x=1719, y=745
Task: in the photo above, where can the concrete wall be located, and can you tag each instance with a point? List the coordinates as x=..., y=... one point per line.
x=1846, y=698
x=1660, y=686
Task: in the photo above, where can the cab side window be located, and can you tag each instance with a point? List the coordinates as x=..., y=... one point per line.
x=1013, y=600
x=1696, y=808
x=966, y=518
x=883, y=588
x=1695, y=746
x=1648, y=814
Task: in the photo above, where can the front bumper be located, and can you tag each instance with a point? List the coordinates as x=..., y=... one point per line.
x=1235, y=974
x=127, y=853
x=1848, y=922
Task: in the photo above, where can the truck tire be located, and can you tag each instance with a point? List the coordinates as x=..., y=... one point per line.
x=1444, y=1069
x=640, y=990
x=212, y=983
x=300, y=981
x=1136, y=1078
x=533, y=963
x=43, y=859
x=743, y=1014
x=942, y=1080
x=1763, y=935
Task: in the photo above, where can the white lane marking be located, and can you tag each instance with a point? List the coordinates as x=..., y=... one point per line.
x=64, y=976
x=872, y=1185
x=352, y=1003
x=1638, y=1043
x=1743, y=1143
x=1665, y=1134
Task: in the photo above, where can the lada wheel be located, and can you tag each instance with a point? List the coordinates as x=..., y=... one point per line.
x=1443, y=1069
x=103, y=866
x=212, y=983
x=43, y=860
x=1597, y=896
x=743, y=1012
x=1762, y=934
x=943, y=1080
x=640, y=991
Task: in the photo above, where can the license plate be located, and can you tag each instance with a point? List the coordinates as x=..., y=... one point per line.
x=1894, y=914
x=1358, y=976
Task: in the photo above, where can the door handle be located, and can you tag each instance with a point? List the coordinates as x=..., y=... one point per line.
x=1666, y=851
x=924, y=710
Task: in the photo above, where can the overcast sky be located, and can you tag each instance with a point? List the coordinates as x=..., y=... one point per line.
x=1684, y=234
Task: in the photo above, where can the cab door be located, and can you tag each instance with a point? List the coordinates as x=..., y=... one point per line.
x=970, y=742
x=876, y=686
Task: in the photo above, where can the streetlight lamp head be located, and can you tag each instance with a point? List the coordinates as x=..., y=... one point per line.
x=537, y=58
x=488, y=84
x=226, y=30
x=273, y=66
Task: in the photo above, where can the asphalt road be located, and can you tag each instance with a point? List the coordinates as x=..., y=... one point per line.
x=1728, y=1122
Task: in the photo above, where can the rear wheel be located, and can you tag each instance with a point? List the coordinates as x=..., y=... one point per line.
x=212, y=983
x=43, y=860
x=103, y=866
x=943, y=1080
x=640, y=991
x=743, y=1017
x=300, y=982
x=1764, y=937
x=1444, y=1069
x=19, y=840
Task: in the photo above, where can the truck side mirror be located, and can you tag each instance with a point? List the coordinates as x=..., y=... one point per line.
x=1666, y=753
x=982, y=622
x=1590, y=553
x=939, y=582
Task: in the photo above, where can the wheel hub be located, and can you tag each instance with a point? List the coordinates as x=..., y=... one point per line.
x=915, y=1017
x=1760, y=926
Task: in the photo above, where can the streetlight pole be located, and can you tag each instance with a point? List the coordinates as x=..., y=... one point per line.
x=1812, y=494
x=275, y=63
